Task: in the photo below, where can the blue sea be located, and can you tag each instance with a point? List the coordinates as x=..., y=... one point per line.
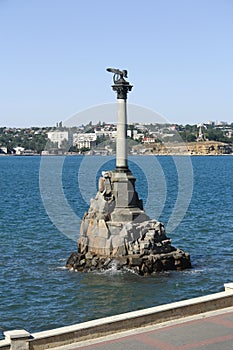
x=42, y=202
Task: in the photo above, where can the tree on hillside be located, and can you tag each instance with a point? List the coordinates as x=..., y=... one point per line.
x=65, y=145
x=216, y=135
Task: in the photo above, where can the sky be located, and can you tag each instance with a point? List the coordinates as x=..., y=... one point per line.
x=54, y=55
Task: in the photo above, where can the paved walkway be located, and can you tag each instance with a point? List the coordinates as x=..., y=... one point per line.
x=209, y=331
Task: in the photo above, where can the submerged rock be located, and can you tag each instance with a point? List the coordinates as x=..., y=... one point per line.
x=143, y=265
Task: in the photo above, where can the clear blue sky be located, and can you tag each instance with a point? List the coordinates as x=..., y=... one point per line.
x=179, y=55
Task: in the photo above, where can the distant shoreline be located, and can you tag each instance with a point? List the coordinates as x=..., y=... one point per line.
x=205, y=148
x=103, y=155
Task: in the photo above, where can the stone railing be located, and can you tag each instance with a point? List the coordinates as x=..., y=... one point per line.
x=23, y=340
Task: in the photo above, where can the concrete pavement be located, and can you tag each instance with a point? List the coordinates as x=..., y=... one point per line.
x=207, y=331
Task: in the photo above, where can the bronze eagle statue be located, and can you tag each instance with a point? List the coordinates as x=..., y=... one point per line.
x=118, y=74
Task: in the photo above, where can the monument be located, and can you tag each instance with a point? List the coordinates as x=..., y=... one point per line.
x=116, y=232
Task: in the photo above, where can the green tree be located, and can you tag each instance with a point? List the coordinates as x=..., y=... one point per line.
x=65, y=145
x=191, y=138
x=216, y=135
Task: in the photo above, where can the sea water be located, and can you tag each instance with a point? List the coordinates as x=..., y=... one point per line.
x=37, y=292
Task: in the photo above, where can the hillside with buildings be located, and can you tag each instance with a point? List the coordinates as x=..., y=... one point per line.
x=207, y=138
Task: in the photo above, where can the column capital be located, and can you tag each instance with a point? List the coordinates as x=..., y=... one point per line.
x=122, y=87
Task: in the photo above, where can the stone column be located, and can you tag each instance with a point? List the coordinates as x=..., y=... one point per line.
x=128, y=206
x=121, y=144
x=121, y=87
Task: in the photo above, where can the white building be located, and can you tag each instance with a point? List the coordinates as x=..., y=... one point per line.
x=112, y=134
x=18, y=150
x=58, y=136
x=129, y=133
x=87, y=140
x=3, y=149
x=137, y=135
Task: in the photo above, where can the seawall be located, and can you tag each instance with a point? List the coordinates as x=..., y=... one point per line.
x=23, y=340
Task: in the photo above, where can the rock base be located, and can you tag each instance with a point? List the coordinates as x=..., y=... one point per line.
x=142, y=265
x=116, y=233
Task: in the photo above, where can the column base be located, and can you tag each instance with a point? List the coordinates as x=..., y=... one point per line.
x=122, y=169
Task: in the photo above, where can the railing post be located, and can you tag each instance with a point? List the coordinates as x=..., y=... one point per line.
x=228, y=287
x=19, y=339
